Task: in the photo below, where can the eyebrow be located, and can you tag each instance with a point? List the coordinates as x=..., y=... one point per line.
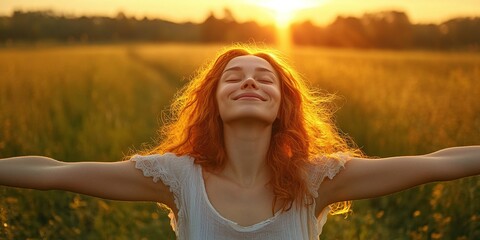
x=260, y=69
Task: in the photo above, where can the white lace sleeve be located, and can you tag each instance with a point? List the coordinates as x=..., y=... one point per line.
x=168, y=168
x=172, y=171
x=325, y=166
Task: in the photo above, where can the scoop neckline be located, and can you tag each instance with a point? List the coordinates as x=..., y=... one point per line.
x=233, y=224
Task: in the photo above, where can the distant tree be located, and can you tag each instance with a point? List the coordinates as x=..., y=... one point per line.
x=389, y=29
x=46, y=25
x=461, y=33
x=228, y=15
x=227, y=29
x=251, y=31
x=306, y=33
x=213, y=29
x=347, y=32
x=426, y=36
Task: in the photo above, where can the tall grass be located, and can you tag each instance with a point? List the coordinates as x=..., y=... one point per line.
x=100, y=103
x=77, y=104
x=403, y=103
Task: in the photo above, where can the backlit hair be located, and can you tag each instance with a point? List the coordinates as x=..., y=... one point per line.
x=303, y=130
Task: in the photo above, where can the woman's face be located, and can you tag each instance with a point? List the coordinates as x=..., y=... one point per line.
x=248, y=89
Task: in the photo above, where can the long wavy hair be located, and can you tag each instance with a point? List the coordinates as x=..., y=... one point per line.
x=303, y=130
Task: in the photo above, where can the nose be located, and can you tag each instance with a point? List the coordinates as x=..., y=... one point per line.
x=249, y=83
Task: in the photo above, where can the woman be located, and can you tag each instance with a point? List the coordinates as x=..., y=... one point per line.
x=249, y=153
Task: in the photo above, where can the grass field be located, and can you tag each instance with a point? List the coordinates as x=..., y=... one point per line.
x=101, y=103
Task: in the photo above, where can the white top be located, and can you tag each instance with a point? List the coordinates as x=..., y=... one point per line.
x=198, y=219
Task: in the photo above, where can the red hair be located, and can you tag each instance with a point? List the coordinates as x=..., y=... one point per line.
x=304, y=127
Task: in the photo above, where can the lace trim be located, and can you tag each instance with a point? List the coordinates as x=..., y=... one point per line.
x=326, y=166
x=154, y=166
x=323, y=167
x=322, y=219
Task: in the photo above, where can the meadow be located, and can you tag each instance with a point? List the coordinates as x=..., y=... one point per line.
x=105, y=102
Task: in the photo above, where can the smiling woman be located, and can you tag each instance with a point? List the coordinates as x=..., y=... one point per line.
x=249, y=86
x=249, y=152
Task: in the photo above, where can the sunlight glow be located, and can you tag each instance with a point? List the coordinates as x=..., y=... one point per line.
x=285, y=10
x=284, y=13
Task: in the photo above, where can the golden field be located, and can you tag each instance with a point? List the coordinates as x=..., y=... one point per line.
x=104, y=102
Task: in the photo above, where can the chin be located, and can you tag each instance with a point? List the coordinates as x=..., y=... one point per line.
x=249, y=117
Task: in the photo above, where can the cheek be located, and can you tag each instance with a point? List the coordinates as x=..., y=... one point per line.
x=223, y=92
x=277, y=95
x=274, y=92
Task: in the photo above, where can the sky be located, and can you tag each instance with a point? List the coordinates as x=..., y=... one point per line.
x=321, y=12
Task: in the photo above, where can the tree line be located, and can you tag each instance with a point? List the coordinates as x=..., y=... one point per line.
x=388, y=29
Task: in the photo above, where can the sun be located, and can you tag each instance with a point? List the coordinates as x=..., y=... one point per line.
x=285, y=10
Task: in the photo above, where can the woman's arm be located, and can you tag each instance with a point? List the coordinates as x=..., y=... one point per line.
x=368, y=178
x=113, y=180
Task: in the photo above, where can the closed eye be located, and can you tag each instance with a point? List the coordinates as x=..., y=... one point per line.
x=232, y=80
x=267, y=81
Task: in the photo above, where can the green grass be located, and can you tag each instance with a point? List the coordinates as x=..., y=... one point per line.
x=100, y=103
x=402, y=103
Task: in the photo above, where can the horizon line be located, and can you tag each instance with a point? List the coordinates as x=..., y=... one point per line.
x=211, y=11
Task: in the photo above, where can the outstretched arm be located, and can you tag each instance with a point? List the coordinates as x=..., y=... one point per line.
x=113, y=180
x=368, y=178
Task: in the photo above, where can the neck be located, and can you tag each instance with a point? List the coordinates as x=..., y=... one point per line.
x=247, y=144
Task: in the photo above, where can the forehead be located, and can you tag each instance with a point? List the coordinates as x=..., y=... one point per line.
x=249, y=62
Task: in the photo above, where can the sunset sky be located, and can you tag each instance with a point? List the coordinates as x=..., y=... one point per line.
x=320, y=11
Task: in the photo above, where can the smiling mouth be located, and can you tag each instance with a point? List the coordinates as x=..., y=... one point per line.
x=249, y=96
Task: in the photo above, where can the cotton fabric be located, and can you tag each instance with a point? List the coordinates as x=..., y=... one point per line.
x=198, y=219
